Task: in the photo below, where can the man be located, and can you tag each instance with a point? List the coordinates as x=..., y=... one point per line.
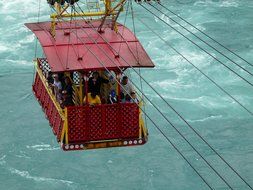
x=95, y=82
x=127, y=88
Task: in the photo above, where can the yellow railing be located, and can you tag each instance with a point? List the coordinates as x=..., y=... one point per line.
x=87, y=14
x=48, y=89
x=62, y=113
x=143, y=130
x=64, y=133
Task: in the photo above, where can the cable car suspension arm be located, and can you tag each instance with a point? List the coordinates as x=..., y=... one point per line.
x=109, y=11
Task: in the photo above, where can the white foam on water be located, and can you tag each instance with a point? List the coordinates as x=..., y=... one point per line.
x=201, y=60
x=28, y=39
x=223, y=3
x=19, y=62
x=42, y=147
x=212, y=117
x=20, y=28
x=229, y=3
x=23, y=156
x=26, y=6
x=172, y=83
x=10, y=47
x=167, y=20
x=209, y=102
x=195, y=57
x=10, y=18
x=39, y=146
x=25, y=96
x=2, y=160
x=27, y=175
x=4, y=48
x=200, y=27
x=170, y=62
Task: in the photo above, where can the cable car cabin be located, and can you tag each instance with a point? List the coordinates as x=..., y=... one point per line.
x=75, y=52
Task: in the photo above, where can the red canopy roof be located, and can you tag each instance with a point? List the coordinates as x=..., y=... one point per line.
x=78, y=46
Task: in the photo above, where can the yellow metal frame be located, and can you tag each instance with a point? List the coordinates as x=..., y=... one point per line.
x=87, y=14
x=63, y=113
x=143, y=130
x=65, y=128
x=44, y=81
x=61, y=13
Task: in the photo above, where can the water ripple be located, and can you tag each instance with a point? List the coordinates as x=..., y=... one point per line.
x=27, y=175
x=42, y=147
x=205, y=118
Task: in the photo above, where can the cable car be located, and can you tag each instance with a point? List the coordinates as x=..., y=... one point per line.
x=75, y=45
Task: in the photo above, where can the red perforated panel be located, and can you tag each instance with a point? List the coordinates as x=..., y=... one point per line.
x=103, y=122
x=96, y=131
x=112, y=122
x=129, y=120
x=42, y=97
x=77, y=131
x=48, y=106
x=53, y=113
x=35, y=85
x=50, y=111
x=85, y=123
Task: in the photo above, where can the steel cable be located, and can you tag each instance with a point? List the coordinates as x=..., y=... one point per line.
x=149, y=117
x=157, y=127
x=208, y=36
x=104, y=66
x=218, y=87
x=202, y=40
x=215, y=83
x=157, y=109
x=244, y=79
x=176, y=113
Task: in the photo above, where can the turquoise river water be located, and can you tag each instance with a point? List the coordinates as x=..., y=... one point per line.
x=30, y=157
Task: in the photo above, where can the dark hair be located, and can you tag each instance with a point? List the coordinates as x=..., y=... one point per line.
x=95, y=72
x=125, y=77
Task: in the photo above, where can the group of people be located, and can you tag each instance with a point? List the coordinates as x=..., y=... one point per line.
x=63, y=91
x=127, y=94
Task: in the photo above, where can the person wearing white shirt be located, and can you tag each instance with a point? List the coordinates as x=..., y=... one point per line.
x=57, y=87
x=126, y=89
